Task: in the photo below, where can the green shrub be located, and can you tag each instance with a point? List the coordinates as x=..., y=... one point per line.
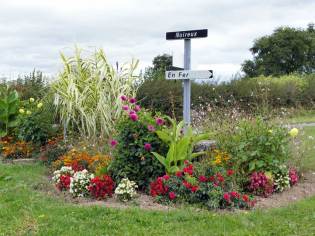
x=130, y=159
x=256, y=145
x=35, y=123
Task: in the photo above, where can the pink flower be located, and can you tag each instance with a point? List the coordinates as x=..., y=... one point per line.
x=166, y=177
x=147, y=146
x=123, y=98
x=203, y=178
x=113, y=143
x=132, y=100
x=132, y=112
x=151, y=128
x=159, y=121
x=125, y=107
x=133, y=116
x=137, y=108
x=172, y=195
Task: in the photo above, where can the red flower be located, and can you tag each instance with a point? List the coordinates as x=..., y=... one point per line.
x=100, y=187
x=203, y=178
x=245, y=198
x=189, y=169
x=211, y=178
x=179, y=174
x=172, y=195
x=186, y=184
x=64, y=182
x=229, y=172
x=166, y=177
x=226, y=197
x=194, y=188
x=294, y=177
x=157, y=188
x=235, y=195
x=220, y=178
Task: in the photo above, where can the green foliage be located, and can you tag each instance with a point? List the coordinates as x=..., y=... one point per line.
x=286, y=51
x=88, y=93
x=9, y=105
x=256, y=146
x=180, y=146
x=130, y=159
x=160, y=64
x=35, y=124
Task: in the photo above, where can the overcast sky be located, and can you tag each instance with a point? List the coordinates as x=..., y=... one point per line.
x=34, y=32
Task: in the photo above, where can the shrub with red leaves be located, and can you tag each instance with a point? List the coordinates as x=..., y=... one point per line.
x=101, y=187
x=294, y=177
x=64, y=182
x=260, y=184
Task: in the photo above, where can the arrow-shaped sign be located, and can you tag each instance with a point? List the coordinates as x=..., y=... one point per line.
x=189, y=74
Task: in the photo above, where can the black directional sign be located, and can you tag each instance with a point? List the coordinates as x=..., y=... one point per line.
x=189, y=34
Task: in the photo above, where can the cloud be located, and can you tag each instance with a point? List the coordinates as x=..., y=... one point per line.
x=34, y=32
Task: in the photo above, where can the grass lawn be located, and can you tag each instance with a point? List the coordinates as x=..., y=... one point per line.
x=25, y=210
x=302, y=117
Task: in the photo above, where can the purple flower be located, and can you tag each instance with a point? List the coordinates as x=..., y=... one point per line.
x=132, y=100
x=151, y=128
x=132, y=112
x=147, y=146
x=137, y=108
x=123, y=98
x=133, y=116
x=125, y=107
x=113, y=143
x=159, y=121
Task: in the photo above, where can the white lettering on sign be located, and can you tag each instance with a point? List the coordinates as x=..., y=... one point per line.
x=186, y=34
x=189, y=74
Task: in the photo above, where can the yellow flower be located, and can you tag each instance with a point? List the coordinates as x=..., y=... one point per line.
x=293, y=132
x=21, y=111
x=32, y=100
x=28, y=112
x=270, y=131
x=39, y=105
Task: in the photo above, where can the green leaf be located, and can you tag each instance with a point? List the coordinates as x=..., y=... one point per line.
x=160, y=158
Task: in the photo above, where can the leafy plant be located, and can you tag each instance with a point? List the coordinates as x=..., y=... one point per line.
x=132, y=158
x=256, y=146
x=35, y=123
x=87, y=93
x=180, y=146
x=9, y=105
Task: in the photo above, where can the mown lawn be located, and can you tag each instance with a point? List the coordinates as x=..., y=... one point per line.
x=25, y=210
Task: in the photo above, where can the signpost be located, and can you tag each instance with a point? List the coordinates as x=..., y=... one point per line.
x=186, y=75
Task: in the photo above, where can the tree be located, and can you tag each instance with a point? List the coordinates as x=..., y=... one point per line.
x=286, y=51
x=160, y=65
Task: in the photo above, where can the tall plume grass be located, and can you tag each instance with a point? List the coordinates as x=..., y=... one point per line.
x=88, y=90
